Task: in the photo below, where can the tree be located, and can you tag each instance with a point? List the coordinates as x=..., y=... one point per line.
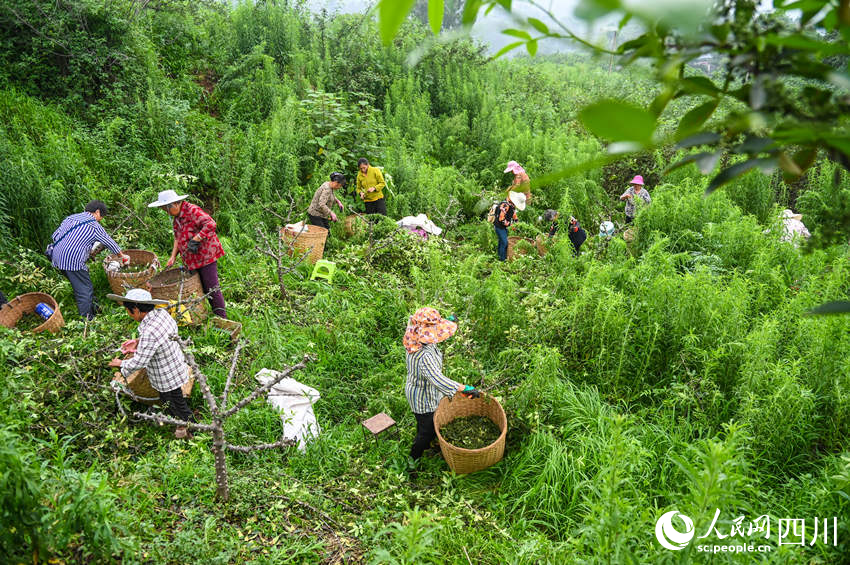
x=452, y=13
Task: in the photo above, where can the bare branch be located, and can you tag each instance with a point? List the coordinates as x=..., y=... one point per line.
x=202, y=379
x=266, y=387
x=230, y=373
x=162, y=419
x=258, y=447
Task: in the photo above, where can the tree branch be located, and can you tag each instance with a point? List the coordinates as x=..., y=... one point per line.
x=267, y=387
x=231, y=372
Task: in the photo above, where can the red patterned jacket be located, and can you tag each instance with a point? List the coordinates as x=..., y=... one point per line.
x=191, y=221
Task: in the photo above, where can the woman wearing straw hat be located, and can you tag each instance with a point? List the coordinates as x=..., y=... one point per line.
x=505, y=216
x=197, y=242
x=521, y=182
x=157, y=352
x=426, y=384
x=636, y=189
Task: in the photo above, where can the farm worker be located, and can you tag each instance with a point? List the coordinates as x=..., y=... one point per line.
x=521, y=182
x=71, y=244
x=370, y=187
x=505, y=216
x=195, y=239
x=577, y=235
x=552, y=217
x=426, y=384
x=320, y=207
x=793, y=226
x=157, y=352
x=636, y=189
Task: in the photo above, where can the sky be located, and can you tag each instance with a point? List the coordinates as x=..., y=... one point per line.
x=488, y=28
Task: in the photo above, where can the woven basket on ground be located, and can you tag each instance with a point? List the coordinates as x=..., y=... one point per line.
x=311, y=240
x=462, y=460
x=353, y=224
x=540, y=244
x=121, y=282
x=181, y=285
x=629, y=235
x=11, y=312
x=140, y=385
x=512, y=241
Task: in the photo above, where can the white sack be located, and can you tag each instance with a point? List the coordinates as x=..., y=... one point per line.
x=420, y=221
x=295, y=402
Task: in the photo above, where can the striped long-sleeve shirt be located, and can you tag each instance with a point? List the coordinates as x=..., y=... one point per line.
x=71, y=253
x=426, y=383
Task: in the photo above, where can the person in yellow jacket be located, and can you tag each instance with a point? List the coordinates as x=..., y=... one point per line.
x=370, y=187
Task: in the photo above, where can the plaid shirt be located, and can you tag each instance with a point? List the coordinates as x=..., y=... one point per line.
x=426, y=383
x=630, y=202
x=158, y=353
x=192, y=221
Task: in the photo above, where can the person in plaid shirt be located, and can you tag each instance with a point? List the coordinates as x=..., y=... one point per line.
x=157, y=352
x=195, y=239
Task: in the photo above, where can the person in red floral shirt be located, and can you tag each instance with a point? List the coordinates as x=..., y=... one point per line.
x=195, y=239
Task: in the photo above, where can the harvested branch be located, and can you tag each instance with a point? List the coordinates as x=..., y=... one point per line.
x=267, y=387
x=231, y=372
x=258, y=447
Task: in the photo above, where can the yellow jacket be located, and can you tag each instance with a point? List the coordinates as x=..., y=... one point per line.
x=373, y=177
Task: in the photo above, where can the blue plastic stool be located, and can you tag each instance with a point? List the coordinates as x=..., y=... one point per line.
x=323, y=270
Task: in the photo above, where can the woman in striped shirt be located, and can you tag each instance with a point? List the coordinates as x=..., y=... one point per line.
x=426, y=383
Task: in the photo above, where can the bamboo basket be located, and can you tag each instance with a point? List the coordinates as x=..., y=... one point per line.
x=11, y=312
x=311, y=240
x=512, y=241
x=629, y=235
x=463, y=461
x=121, y=282
x=353, y=224
x=140, y=385
x=180, y=285
x=539, y=242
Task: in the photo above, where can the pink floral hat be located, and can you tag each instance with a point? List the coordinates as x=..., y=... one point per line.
x=515, y=168
x=426, y=326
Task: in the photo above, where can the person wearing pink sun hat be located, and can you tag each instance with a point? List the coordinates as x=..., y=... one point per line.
x=636, y=189
x=521, y=182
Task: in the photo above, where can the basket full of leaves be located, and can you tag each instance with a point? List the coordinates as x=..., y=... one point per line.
x=471, y=432
x=142, y=266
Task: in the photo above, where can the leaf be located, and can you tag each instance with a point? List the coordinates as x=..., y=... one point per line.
x=618, y=121
x=699, y=85
x=788, y=165
x=391, y=14
x=736, y=170
x=539, y=26
x=531, y=47
x=517, y=33
x=702, y=138
x=435, y=15
x=506, y=48
x=695, y=118
x=470, y=11
x=836, y=307
x=706, y=162
x=623, y=22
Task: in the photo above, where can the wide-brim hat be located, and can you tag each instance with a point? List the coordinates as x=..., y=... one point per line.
x=514, y=167
x=167, y=197
x=518, y=198
x=426, y=326
x=137, y=296
x=637, y=180
x=789, y=214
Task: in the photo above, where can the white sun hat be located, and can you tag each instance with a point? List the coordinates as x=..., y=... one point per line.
x=137, y=295
x=167, y=197
x=518, y=198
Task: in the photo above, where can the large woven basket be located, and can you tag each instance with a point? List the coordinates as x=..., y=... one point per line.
x=180, y=285
x=11, y=312
x=512, y=241
x=353, y=224
x=140, y=385
x=311, y=240
x=462, y=460
x=121, y=282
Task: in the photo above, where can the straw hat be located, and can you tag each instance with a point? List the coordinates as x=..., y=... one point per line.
x=167, y=197
x=518, y=198
x=789, y=214
x=138, y=296
x=427, y=326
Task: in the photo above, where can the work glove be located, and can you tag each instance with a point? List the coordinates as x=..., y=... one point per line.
x=452, y=318
x=193, y=246
x=470, y=392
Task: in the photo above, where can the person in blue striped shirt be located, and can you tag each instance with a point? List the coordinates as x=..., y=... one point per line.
x=72, y=244
x=426, y=384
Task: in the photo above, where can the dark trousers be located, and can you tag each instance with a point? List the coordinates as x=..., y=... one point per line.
x=577, y=238
x=630, y=219
x=378, y=206
x=425, y=434
x=177, y=405
x=502, y=248
x=319, y=221
x=83, y=292
x=209, y=279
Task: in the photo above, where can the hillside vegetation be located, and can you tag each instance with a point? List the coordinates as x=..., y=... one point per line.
x=677, y=371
